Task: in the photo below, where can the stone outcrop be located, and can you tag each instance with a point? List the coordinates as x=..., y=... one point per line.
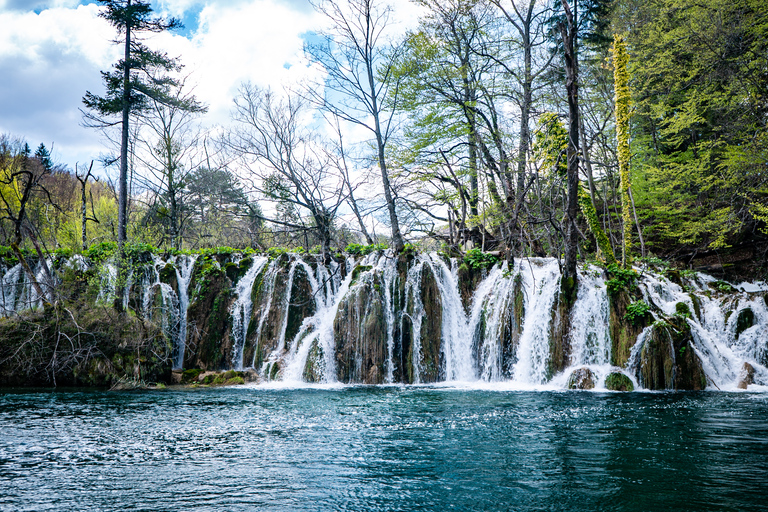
x=581, y=378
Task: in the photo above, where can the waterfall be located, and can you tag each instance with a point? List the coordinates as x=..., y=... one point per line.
x=184, y=265
x=9, y=286
x=590, y=339
x=317, y=331
x=407, y=322
x=456, y=333
x=541, y=279
x=242, y=309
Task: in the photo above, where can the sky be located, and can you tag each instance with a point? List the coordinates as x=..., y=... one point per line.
x=52, y=52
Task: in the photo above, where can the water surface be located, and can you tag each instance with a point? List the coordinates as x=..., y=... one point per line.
x=382, y=448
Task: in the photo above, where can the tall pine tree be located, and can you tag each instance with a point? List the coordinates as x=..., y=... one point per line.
x=142, y=74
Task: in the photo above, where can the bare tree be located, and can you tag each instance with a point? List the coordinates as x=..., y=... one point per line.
x=288, y=164
x=84, y=203
x=358, y=89
x=170, y=149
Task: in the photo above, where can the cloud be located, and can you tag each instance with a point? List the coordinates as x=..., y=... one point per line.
x=48, y=61
x=50, y=58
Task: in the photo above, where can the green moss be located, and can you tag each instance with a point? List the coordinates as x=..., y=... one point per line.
x=360, y=269
x=682, y=310
x=168, y=273
x=744, y=321
x=617, y=381
x=273, y=371
x=190, y=375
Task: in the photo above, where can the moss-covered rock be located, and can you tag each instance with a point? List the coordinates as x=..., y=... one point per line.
x=361, y=334
x=623, y=333
x=667, y=359
x=209, y=343
x=744, y=321
x=559, y=343
x=617, y=381
x=167, y=275
x=430, y=336
x=314, y=369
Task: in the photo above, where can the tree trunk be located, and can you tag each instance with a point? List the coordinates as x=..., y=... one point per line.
x=568, y=32
x=397, y=238
x=122, y=202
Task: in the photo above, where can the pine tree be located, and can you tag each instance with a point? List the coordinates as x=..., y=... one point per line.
x=142, y=74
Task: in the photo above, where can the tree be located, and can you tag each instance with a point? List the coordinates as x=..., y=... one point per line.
x=141, y=75
x=700, y=123
x=287, y=162
x=21, y=179
x=568, y=31
x=171, y=148
x=357, y=87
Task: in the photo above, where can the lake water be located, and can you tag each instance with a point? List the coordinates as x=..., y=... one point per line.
x=382, y=448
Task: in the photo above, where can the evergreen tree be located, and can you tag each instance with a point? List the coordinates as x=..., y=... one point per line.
x=142, y=74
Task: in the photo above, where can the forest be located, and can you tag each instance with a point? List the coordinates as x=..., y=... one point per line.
x=598, y=131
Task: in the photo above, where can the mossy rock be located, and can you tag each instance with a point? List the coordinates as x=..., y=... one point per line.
x=313, y=369
x=360, y=269
x=744, y=321
x=581, y=378
x=168, y=275
x=617, y=381
x=696, y=304
x=190, y=375
x=623, y=332
x=682, y=310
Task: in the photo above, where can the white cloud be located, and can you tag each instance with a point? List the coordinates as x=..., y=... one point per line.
x=49, y=59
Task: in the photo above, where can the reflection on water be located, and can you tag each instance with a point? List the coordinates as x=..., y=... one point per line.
x=363, y=448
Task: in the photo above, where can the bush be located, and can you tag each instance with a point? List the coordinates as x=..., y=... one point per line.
x=479, y=260
x=363, y=250
x=637, y=311
x=621, y=278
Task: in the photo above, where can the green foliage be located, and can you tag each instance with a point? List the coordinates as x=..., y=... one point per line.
x=588, y=209
x=101, y=251
x=682, y=310
x=479, y=260
x=637, y=311
x=551, y=143
x=699, y=139
x=276, y=252
x=134, y=250
x=363, y=250
x=621, y=278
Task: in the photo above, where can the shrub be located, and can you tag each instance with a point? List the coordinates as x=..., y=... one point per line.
x=479, y=260
x=637, y=311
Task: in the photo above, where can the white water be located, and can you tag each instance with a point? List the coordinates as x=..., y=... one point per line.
x=184, y=266
x=242, y=309
x=471, y=338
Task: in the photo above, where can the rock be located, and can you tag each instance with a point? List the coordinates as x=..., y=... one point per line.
x=746, y=376
x=617, y=381
x=744, y=321
x=623, y=333
x=361, y=333
x=581, y=378
x=667, y=359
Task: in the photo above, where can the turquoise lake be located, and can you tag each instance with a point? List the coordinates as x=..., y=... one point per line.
x=382, y=448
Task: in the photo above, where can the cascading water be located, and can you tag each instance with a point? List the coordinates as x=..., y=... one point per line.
x=242, y=309
x=541, y=278
x=456, y=332
x=723, y=350
x=412, y=307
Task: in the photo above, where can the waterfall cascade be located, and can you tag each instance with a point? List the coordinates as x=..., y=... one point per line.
x=388, y=319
